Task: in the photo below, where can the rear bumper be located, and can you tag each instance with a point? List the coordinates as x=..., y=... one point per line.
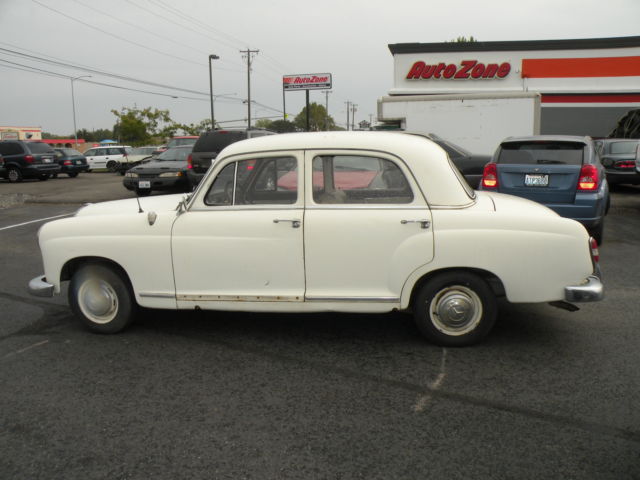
x=39, y=287
x=590, y=290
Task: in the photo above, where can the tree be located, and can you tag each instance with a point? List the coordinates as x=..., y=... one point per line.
x=318, y=119
x=462, y=39
x=196, y=128
x=137, y=127
x=279, y=126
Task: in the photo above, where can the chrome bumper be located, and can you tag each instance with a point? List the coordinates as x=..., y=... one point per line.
x=40, y=287
x=591, y=290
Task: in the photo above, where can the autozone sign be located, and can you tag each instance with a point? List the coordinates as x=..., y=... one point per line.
x=468, y=69
x=308, y=81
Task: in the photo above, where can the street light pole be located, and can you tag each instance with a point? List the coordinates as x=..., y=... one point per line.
x=213, y=121
x=73, y=106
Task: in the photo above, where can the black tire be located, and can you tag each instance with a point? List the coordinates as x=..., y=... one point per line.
x=101, y=298
x=144, y=192
x=72, y=174
x=598, y=232
x=43, y=177
x=112, y=166
x=14, y=175
x=455, y=309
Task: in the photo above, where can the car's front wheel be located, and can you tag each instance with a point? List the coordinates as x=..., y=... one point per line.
x=101, y=298
x=112, y=166
x=455, y=309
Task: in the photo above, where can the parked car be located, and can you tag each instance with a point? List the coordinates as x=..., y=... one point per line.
x=27, y=159
x=618, y=156
x=134, y=157
x=269, y=229
x=2, y=169
x=563, y=173
x=177, y=141
x=168, y=171
x=71, y=161
x=206, y=149
x=471, y=165
x=107, y=156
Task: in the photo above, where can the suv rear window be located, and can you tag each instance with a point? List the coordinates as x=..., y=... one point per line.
x=40, y=147
x=217, y=140
x=542, y=153
x=623, y=147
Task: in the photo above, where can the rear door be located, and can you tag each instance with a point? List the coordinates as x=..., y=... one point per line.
x=543, y=171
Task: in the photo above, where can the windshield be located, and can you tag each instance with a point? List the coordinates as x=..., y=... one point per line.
x=174, y=154
x=40, y=147
x=70, y=151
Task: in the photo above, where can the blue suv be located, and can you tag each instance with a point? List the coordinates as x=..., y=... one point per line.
x=563, y=173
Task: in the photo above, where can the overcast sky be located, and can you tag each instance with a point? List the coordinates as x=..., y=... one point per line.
x=168, y=43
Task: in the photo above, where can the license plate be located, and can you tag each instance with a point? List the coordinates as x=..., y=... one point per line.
x=47, y=160
x=144, y=184
x=78, y=162
x=535, y=180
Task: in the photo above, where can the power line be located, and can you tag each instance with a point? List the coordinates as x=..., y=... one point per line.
x=114, y=35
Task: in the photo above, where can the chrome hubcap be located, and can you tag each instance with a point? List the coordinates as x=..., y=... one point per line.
x=455, y=310
x=13, y=175
x=98, y=301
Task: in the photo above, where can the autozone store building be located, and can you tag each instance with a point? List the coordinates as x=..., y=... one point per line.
x=585, y=85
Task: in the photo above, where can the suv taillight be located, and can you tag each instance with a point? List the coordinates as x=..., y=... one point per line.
x=189, y=162
x=595, y=252
x=588, y=178
x=29, y=158
x=490, y=176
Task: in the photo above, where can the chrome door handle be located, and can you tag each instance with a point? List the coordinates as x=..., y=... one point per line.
x=294, y=223
x=423, y=223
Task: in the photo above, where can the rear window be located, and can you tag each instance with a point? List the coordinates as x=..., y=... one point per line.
x=217, y=140
x=623, y=147
x=542, y=153
x=40, y=147
x=178, y=142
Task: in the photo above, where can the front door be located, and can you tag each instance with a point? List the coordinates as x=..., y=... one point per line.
x=242, y=239
x=367, y=227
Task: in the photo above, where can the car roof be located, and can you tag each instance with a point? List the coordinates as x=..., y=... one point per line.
x=426, y=159
x=549, y=138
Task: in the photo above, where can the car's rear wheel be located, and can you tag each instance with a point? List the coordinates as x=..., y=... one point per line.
x=112, y=165
x=73, y=174
x=455, y=309
x=101, y=298
x=43, y=177
x=14, y=175
x=598, y=232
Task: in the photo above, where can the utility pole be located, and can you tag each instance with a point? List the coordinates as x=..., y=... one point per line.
x=248, y=54
x=348, y=107
x=354, y=109
x=326, y=107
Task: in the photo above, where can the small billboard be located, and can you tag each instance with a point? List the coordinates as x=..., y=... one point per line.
x=307, y=81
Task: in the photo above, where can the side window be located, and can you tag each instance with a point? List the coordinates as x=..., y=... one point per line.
x=11, y=148
x=358, y=179
x=261, y=181
x=116, y=151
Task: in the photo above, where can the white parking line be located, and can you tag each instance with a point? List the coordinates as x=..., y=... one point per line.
x=422, y=402
x=26, y=348
x=36, y=221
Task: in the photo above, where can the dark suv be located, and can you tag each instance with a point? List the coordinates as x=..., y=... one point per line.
x=210, y=144
x=28, y=160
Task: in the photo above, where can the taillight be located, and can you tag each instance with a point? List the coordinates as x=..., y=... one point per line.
x=625, y=164
x=588, y=178
x=595, y=252
x=29, y=158
x=490, y=176
x=68, y=162
x=189, y=161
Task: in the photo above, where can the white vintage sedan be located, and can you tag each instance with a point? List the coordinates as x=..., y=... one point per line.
x=307, y=222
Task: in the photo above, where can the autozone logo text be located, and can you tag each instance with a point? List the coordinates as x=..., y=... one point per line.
x=313, y=79
x=467, y=69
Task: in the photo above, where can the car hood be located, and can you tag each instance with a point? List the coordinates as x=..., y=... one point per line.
x=157, y=204
x=161, y=166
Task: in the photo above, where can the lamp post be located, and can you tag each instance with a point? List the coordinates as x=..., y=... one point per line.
x=73, y=106
x=213, y=121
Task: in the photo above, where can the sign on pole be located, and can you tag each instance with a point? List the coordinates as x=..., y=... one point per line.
x=307, y=81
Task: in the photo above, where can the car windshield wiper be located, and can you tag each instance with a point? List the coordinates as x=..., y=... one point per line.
x=550, y=162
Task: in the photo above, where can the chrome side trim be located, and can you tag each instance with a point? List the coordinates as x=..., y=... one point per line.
x=157, y=295
x=239, y=298
x=39, y=287
x=366, y=206
x=354, y=299
x=591, y=290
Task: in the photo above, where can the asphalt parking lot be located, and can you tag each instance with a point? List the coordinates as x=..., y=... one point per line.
x=549, y=394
